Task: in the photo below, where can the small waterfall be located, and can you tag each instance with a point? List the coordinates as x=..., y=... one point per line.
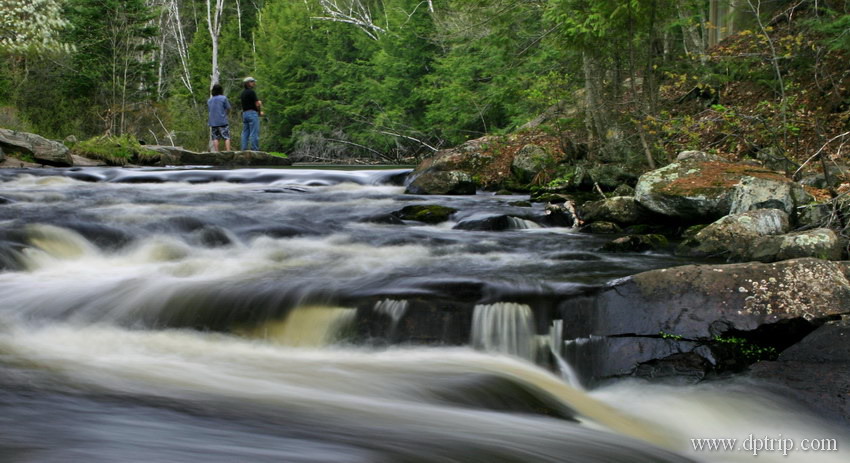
x=393, y=309
x=515, y=223
x=556, y=334
x=310, y=326
x=504, y=327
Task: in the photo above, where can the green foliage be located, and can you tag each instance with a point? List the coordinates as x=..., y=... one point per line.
x=32, y=27
x=675, y=337
x=746, y=349
x=116, y=151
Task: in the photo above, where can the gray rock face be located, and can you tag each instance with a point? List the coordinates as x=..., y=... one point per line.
x=822, y=243
x=673, y=322
x=816, y=370
x=703, y=301
x=529, y=161
x=44, y=151
x=700, y=191
x=764, y=193
x=671, y=191
x=622, y=210
x=734, y=235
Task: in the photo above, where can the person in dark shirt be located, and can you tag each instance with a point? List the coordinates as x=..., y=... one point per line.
x=219, y=107
x=252, y=109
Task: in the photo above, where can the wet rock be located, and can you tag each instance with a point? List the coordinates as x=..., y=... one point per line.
x=622, y=210
x=688, y=367
x=44, y=151
x=602, y=228
x=703, y=301
x=495, y=223
x=561, y=215
x=529, y=161
x=431, y=213
x=635, y=243
x=822, y=243
x=734, y=235
x=695, y=191
x=816, y=370
x=768, y=193
x=603, y=357
x=389, y=219
x=437, y=182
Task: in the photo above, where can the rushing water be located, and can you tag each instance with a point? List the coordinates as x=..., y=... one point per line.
x=285, y=315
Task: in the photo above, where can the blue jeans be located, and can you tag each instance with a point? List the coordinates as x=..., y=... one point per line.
x=251, y=130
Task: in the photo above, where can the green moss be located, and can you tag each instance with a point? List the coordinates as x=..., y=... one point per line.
x=278, y=155
x=426, y=213
x=116, y=151
x=748, y=350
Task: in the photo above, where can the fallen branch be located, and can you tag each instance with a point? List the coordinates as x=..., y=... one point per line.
x=819, y=152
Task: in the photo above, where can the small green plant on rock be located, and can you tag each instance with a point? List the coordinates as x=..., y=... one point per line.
x=116, y=151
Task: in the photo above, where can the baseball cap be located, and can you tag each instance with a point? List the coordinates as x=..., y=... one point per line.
x=249, y=79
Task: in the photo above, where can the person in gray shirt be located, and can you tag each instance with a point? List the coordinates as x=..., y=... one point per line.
x=219, y=108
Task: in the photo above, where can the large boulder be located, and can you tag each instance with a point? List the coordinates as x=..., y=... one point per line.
x=696, y=190
x=529, y=161
x=448, y=172
x=622, y=210
x=439, y=182
x=734, y=235
x=816, y=370
x=822, y=243
x=690, y=320
x=44, y=151
x=768, y=192
x=703, y=301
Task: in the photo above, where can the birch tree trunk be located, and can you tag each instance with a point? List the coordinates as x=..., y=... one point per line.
x=214, y=26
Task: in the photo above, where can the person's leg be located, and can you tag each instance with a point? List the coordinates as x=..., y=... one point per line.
x=255, y=132
x=215, y=145
x=225, y=134
x=246, y=129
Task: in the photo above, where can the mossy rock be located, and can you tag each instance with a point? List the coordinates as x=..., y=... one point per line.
x=697, y=191
x=431, y=213
x=117, y=151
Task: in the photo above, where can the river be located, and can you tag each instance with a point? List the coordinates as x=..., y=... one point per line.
x=185, y=315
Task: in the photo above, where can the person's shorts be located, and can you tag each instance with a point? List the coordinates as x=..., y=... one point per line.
x=220, y=133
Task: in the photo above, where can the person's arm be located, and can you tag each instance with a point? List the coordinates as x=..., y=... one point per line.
x=260, y=108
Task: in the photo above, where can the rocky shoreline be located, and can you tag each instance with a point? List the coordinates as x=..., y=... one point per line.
x=778, y=310
x=26, y=150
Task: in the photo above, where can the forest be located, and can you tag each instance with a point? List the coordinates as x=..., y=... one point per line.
x=393, y=81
